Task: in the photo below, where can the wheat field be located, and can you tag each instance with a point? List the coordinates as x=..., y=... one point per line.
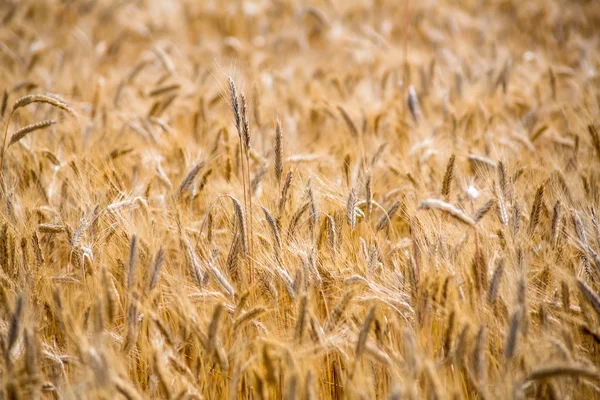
x=336, y=199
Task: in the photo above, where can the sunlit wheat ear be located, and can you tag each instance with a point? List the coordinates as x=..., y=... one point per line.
x=277, y=247
x=14, y=329
x=301, y=319
x=4, y=103
x=349, y=123
x=510, y=344
x=579, y=228
x=384, y=221
x=313, y=213
x=223, y=283
x=48, y=98
x=51, y=228
x=278, y=165
x=364, y=332
x=494, y=285
x=501, y=205
x=193, y=264
x=248, y=316
x=449, y=333
x=483, y=210
x=369, y=195
x=562, y=370
x=239, y=213
x=295, y=220
x=478, y=357
x=154, y=271
x=413, y=104
x=284, y=193
x=130, y=282
x=351, y=209
x=213, y=328
x=189, y=178
x=536, y=209
x=448, y=177
x=21, y=133
x=591, y=296
x=331, y=235
x=555, y=225
x=453, y=211
x=595, y=139
x=339, y=310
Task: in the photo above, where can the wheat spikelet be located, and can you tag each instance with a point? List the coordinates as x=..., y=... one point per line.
x=339, y=310
x=448, y=333
x=502, y=179
x=331, y=235
x=284, y=192
x=47, y=98
x=309, y=387
x=295, y=220
x=193, y=265
x=511, y=340
x=516, y=219
x=213, y=328
x=312, y=218
x=130, y=281
x=479, y=161
x=233, y=257
x=413, y=104
x=4, y=103
x=448, y=177
x=364, y=332
x=553, y=371
x=277, y=247
x=348, y=120
x=495, y=282
x=385, y=219
x=434, y=204
x=237, y=206
x=126, y=389
x=483, y=210
x=589, y=295
x=154, y=271
x=21, y=133
x=245, y=124
x=501, y=205
x=351, y=209
x=595, y=139
x=51, y=157
x=579, y=228
x=536, y=209
x=219, y=278
x=301, y=319
x=189, y=178
x=478, y=357
x=15, y=327
x=248, y=316
x=291, y=387
x=369, y=195
x=51, y=228
x=287, y=281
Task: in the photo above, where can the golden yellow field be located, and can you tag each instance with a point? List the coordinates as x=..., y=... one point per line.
x=362, y=199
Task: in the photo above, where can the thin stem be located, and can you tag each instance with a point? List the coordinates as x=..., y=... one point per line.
x=250, y=230
x=244, y=178
x=3, y=151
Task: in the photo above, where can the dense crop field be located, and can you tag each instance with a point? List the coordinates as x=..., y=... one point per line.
x=363, y=199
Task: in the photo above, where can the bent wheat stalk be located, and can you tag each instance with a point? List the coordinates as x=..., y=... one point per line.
x=53, y=100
